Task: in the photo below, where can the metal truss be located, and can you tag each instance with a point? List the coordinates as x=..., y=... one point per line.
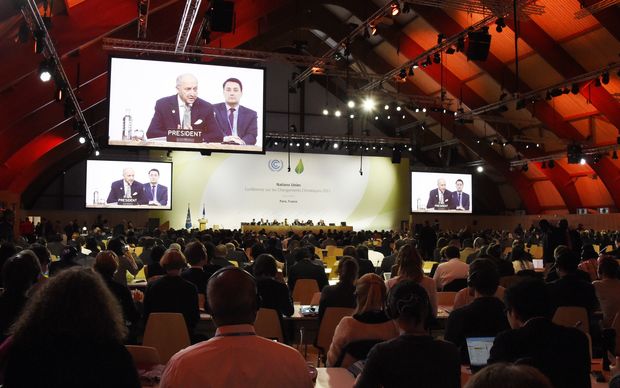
x=497, y=7
x=596, y=7
x=187, y=23
x=294, y=136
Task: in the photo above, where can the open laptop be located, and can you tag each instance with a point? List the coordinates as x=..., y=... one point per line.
x=538, y=264
x=479, y=350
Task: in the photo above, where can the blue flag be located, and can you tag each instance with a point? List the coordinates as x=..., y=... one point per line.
x=188, y=220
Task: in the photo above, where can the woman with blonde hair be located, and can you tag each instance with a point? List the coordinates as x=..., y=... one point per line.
x=70, y=335
x=369, y=320
x=410, y=267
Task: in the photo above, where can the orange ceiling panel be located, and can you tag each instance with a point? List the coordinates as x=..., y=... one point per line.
x=547, y=194
x=559, y=18
x=593, y=192
x=570, y=104
x=537, y=73
x=574, y=168
x=599, y=41
x=486, y=87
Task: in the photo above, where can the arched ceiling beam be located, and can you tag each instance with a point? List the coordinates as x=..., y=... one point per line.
x=608, y=17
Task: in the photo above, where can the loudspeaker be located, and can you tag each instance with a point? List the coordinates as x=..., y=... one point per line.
x=479, y=45
x=573, y=153
x=396, y=154
x=222, y=15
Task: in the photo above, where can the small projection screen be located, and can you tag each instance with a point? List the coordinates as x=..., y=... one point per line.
x=440, y=192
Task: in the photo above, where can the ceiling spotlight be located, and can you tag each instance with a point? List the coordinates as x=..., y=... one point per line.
x=574, y=88
x=492, y=142
x=480, y=169
x=415, y=65
x=537, y=145
x=97, y=153
x=437, y=58
x=605, y=78
x=417, y=110
x=428, y=61
x=398, y=108
x=351, y=116
x=501, y=24
x=423, y=110
x=297, y=144
x=404, y=117
x=337, y=113
x=460, y=43
x=336, y=146
x=45, y=71
x=59, y=95
x=351, y=104
x=386, y=107
x=325, y=112
x=389, y=117
x=395, y=8
x=548, y=96
x=525, y=167
x=544, y=164
x=402, y=74
x=376, y=117
x=368, y=104
x=372, y=29
x=597, y=82
x=82, y=139
x=582, y=161
x=411, y=71
x=450, y=50
x=410, y=149
x=551, y=163
x=614, y=155
x=291, y=144
x=275, y=143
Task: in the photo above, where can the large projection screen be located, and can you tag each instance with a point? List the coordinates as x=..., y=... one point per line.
x=441, y=192
x=149, y=100
x=107, y=184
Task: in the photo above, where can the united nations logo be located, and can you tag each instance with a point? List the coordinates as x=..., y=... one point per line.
x=275, y=165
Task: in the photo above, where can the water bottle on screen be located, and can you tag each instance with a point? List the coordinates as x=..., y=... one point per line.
x=419, y=204
x=95, y=197
x=127, y=122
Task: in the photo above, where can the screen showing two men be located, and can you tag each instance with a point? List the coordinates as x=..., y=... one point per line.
x=130, y=185
x=185, y=105
x=441, y=192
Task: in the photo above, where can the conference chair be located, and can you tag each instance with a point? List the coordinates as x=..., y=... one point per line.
x=304, y=290
x=324, y=337
x=316, y=298
x=331, y=262
x=167, y=332
x=446, y=298
x=455, y=285
x=267, y=324
x=616, y=326
x=354, y=352
x=143, y=355
x=572, y=316
x=202, y=298
x=507, y=281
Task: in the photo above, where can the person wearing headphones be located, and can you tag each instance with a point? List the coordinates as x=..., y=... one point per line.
x=235, y=356
x=414, y=356
x=484, y=316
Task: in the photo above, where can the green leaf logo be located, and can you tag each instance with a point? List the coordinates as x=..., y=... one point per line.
x=300, y=167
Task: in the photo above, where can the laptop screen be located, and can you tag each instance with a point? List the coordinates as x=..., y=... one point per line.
x=538, y=263
x=479, y=349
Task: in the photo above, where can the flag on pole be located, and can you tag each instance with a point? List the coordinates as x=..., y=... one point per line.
x=188, y=220
x=204, y=213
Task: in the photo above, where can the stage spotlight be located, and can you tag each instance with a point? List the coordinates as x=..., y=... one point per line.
x=351, y=104
x=337, y=113
x=501, y=24
x=423, y=110
x=597, y=83
x=480, y=169
x=411, y=71
x=389, y=117
x=45, y=71
x=460, y=43
x=386, y=107
x=574, y=89
x=417, y=110
x=60, y=94
x=402, y=74
x=373, y=29
x=368, y=104
x=520, y=104
x=325, y=112
x=404, y=117
x=614, y=155
x=605, y=78
x=551, y=163
x=336, y=146
x=351, y=116
x=440, y=37
x=398, y=108
x=582, y=161
x=544, y=165
x=524, y=168
x=415, y=65
x=298, y=144
x=97, y=153
x=410, y=149
x=376, y=117
x=395, y=8
x=82, y=139
x=437, y=58
x=450, y=50
x=548, y=96
x=307, y=144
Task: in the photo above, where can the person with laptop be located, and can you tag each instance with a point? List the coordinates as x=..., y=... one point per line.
x=484, y=316
x=560, y=353
x=414, y=358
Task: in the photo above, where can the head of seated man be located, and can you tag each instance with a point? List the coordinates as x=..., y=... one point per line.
x=232, y=297
x=173, y=261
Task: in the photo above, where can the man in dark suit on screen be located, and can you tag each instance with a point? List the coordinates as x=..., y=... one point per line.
x=237, y=123
x=155, y=193
x=460, y=200
x=440, y=198
x=184, y=111
x=127, y=188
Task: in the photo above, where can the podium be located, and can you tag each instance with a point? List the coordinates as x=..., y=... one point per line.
x=202, y=224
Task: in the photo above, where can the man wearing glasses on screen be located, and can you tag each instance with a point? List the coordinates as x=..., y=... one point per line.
x=237, y=123
x=460, y=200
x=184, y=115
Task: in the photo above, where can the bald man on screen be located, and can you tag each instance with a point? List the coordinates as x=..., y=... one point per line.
x=439, y=198
x=127, y=188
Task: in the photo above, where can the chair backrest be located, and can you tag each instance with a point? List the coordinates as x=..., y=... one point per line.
x=616, y=326
x=355, y=351
x=143, y=355
x=267, y=324
x=446, y=298
x=304, y=290
x=572, y=316
x=333, y=250
x=167, y=332
x=507, y=281
x=201, y=301
x=331, y=318
x=455, y=285
x=316, y=298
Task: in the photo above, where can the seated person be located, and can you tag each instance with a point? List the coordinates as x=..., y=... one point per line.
x=154, y=270
x=608, y=289
x=196, y=255
x=508, y=376
x=274, y=294
x=341, y=294
x=484, y=317
x=560, y=353
x=414, y=358
x=304, y=268
x=368, y=322
x=450, y=270
x=589, y=262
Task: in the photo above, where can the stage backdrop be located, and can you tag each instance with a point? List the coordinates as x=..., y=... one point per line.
x=237, y=188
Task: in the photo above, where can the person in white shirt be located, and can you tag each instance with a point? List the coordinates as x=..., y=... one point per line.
x=452, y=269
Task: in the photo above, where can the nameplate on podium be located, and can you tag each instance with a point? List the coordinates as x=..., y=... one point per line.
x=184, y=136
x=441, y=207
x=127, y=201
